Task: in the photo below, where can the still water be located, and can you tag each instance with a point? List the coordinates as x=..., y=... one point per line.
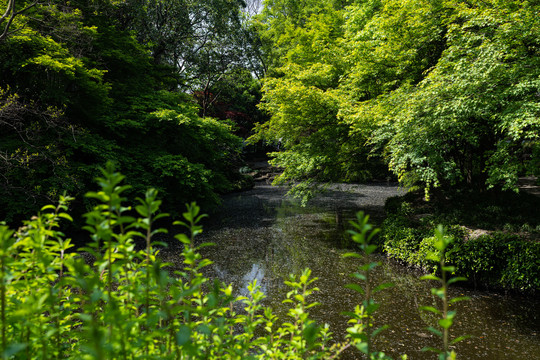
x=264, y=235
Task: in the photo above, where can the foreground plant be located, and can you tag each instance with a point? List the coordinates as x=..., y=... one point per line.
x=446, y=316
x=362, y=332
x=110, y=301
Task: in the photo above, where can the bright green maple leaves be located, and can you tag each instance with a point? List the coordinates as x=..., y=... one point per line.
x=447, y=92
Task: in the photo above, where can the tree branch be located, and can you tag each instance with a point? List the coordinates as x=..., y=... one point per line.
x=10, y=15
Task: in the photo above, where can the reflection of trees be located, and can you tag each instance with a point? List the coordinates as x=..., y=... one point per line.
x=241, y=256
x=297, y=239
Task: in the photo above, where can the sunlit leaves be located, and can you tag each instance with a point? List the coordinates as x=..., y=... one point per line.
x=455, y=127
x=445, y=91
x=300, y=95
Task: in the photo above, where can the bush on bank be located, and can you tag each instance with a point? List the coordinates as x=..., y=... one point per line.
x=497, y=259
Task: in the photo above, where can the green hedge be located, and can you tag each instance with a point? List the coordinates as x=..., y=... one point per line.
x=497, y=260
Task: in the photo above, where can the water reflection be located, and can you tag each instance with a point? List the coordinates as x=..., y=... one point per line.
x=255, y=274
x=264, y=236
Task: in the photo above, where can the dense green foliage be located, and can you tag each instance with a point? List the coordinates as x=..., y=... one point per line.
x=441, y=93
x=505, y=254
x=444, y=93
x=85, y=82
x=112, y=301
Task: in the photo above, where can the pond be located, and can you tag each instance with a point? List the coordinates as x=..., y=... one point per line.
x=262, y=234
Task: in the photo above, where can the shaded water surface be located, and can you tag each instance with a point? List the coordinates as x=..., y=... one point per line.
x=263, y=235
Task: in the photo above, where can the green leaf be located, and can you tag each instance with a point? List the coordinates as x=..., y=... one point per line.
x=429, y=348
x=430, y=277
x=449, y=269
x=13, y=349
x=382, y=287
x=378, y=330
x=356, y=288
x=183, y=336
x=203, y=329
x=430, y=309
x=460, y=338
x=458, y=299
x=359, y=276
x=445, y=323
x=311, y=333
x=65, y=216
x=370, y=249
x=349, y=314
x=456, y=279
x=435, y=331
x=362, y=346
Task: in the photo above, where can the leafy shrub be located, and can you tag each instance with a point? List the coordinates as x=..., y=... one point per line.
x=400, y=240
x=523, y=265
x=499, y=259
x=481, y=260
x=402, y=244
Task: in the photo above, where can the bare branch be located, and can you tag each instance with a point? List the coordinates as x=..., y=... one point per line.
x=253, y=7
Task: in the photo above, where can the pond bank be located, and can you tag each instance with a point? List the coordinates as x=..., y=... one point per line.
x=496, y=235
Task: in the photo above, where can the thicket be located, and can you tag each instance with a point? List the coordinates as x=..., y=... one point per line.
x=504, y=255
x=111, y=301
x=85, y=82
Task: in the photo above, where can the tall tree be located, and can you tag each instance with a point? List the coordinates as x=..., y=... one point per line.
x=475, y=119
x=445, y=91
x=77, y=91
x=302, y=95
x=186, y=34
x=10, y=15
x=203, y=40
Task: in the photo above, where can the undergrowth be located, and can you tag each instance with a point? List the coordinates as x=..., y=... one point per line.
x=505, y=254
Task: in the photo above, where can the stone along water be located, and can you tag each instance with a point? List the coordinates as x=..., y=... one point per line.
x=261, y=234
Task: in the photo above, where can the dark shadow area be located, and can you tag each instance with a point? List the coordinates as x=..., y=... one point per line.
x=490, y=210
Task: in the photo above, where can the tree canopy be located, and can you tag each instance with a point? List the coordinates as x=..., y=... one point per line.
x=444, y=93
x=438, y=93
x=84, y=82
